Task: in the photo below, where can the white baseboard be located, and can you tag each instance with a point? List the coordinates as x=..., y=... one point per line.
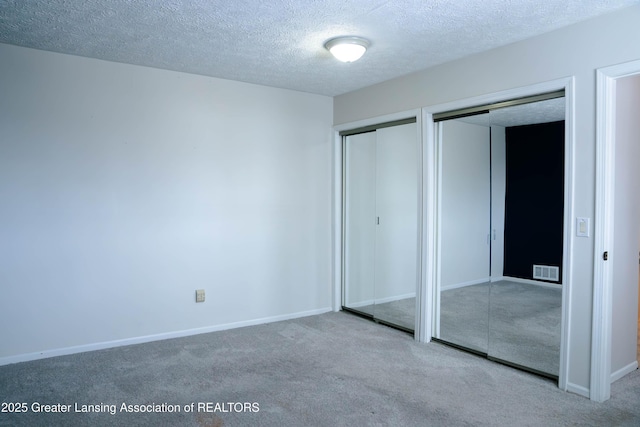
x=156, y=337
x=395, y=298
x=381, y=300
x=361, y=303
x=494, y=279
x=615, y=376
x=578, y=389
x=528, y=281
x=465, y=284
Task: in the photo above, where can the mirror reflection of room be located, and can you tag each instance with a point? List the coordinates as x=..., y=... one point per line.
x=500, y=233
x=381, y=224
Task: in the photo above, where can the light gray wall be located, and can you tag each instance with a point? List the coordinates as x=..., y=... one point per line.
x=576, y=51
x=626, y=225
x=473, y=194
x=123, y=189
x=465, y=204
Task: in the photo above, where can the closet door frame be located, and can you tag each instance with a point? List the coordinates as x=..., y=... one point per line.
x=601, y=375
x=426, y=309
x=338, y=192
x=364, y=176
x=430, y=213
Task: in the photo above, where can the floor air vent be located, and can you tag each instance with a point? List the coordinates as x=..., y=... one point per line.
x=546, y=272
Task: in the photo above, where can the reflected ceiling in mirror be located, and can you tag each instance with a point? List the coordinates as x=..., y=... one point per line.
x=551, y=110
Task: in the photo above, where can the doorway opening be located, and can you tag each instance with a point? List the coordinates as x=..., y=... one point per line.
x=614, y=350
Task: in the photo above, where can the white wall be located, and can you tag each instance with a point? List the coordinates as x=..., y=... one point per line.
x=125, y=188
x=576, y=51
x=626, y=227
x=465, y=202
x=466, y=211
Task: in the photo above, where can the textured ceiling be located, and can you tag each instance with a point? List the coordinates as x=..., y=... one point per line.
x=551, y=110
x=280, y=42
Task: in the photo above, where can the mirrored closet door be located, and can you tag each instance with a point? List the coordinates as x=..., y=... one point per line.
x=381, y=223
x=464, y=211
x=500, y=231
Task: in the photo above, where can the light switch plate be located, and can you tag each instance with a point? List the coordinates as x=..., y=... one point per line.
x=582, y=227
x=199, y=295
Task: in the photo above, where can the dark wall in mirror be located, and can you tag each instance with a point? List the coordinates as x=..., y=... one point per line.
x=534, y=200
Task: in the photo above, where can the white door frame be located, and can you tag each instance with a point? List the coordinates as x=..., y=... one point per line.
x=337, y=209
x=604, y=226
x=430, y=208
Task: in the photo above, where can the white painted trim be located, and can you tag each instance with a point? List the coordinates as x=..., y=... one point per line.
x=381, y=300
x=603, y=239
x=577, y=389
x=361, y=303
x=420, y=320
x=337, y=201
x=615, y=376
x=336, y=223
x=529, y=282
x=568, y=237
x=568, y=85
x=429, y=296
x=156, y=337
x=604, y=227
x=395, y=298
x=502, y=278
x=437, y=212
x=465, y=284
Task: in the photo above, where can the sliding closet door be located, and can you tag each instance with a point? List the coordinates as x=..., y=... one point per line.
x=360, y=222
x=464, y=230
x=381, y=224
x=396, y=224
x=500, y=231
x=528, y=211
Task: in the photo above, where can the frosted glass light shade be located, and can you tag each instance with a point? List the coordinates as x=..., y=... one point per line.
x=347, y=49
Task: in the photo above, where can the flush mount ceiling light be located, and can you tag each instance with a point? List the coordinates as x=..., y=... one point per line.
x=347, y=49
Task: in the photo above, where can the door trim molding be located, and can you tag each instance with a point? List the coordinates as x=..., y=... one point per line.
x=430, y=213
x=606, y=77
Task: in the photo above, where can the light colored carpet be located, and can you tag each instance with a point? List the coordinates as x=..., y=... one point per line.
x=525, y=325
x=400, y=312
x=464, y=317
x=333, y=369
x=515, y=322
